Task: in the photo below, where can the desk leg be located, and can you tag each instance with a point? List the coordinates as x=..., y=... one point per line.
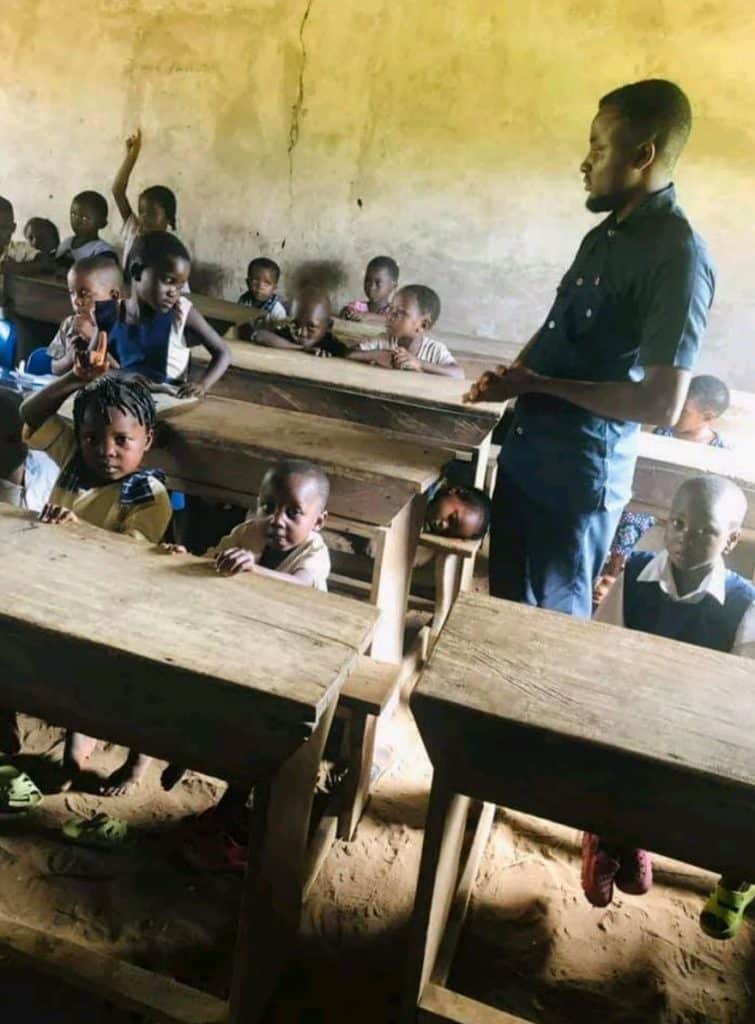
x=448, y=575
x=391, y=577
x=439, y=867
x=481, y=457
x=273, y=886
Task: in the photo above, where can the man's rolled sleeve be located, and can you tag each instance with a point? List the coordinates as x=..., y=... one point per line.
x=679, y=295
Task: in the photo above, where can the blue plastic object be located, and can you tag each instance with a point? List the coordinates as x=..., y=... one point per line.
x=7, y=345
x=39, y=362
x=177, y=500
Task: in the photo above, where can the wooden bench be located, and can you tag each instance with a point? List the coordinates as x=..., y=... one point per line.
x=647, y=740
x=236, y=678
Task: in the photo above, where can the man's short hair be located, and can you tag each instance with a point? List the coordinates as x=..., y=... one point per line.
x=384, y=263
x=263, y=263
x=285, y=468
x=427, y=300
x=94, y=201
x=653, y=110
x=709, y=394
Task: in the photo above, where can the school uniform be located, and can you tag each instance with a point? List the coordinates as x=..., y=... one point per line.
x=719, y=614
x=97, y=247
x=137, y=505
x=636, y=295
x=154, y=347
x=312, y=556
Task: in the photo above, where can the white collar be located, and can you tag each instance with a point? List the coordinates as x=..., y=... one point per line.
x=658, y=570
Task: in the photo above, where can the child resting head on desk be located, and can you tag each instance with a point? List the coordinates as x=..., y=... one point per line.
x=380, y=282
x=406, y=344
x=458, y=511
x=101, y=480
x=684, y=593
x=95, y=285
x=26, y=477
x=89, y=214
x=308, y=330
x=262, y=276
x=158, y=324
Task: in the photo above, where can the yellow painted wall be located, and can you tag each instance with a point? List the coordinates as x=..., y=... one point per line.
x=445, y=132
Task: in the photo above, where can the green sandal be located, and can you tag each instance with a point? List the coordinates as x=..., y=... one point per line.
x=17, y=791
x=724, y=911
x=101, y=832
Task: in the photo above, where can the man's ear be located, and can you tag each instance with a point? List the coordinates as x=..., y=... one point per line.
x=320, y=521
x=645, y=155
x=733, y=540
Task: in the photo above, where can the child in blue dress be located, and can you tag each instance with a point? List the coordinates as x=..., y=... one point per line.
x=159, y=325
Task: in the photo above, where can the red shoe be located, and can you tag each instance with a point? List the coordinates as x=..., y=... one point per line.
x=598, y=871
x=635, y=876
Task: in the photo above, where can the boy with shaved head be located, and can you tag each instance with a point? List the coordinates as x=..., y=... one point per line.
x=684, y=593
x=95, y=285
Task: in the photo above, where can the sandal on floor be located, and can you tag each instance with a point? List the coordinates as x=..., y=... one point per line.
x=17, y=791
x=724, y=910
x=101, y=832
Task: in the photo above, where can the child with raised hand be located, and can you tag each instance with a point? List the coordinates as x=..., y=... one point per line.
x=95, y=286
x=89, y=214
x=684, y=593
x=101, y=478
x=159, y=325
x=308, y=330
x=380, y=282
x=283, y=539
x=42, y=235
x=262, y=276
x=406, y=344
x=156, y=206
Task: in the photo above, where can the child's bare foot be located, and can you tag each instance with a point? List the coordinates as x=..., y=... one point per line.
x=171, y=776
x=128, y=777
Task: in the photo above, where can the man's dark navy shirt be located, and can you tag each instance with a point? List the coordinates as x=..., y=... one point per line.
x=637, y=295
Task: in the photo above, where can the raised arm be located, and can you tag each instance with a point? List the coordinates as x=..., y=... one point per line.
x=220, y=356
x=120, y=183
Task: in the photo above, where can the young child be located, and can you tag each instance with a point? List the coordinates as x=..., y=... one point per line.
x=150, y=338
x=156, y=207
x=380, y=282
x=455, y=511
x=308, y=330
x=707, y=399
x=26, y=477
x=43, y=235
x=88, y=217
x=684, y=593
x=95, y=285
x=101, y=480
x=262, y=276
x=406, y=345
x=13, y=255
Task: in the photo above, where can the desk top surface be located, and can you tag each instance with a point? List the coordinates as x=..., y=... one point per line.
x=267, y=637
x=600, y=685
x=420, y=388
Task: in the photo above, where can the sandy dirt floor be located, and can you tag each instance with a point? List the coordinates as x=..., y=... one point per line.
x=532, y=944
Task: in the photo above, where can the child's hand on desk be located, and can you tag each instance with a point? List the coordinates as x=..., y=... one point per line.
x=191, y=390
x=57, y=515
x=403, y=360
x=233, y=561
x=91, y=362
x=383, y=358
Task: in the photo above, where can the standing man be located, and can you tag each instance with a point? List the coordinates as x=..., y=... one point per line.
x=615, y=351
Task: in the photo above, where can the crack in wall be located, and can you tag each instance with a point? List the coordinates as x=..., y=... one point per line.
x=296, y=109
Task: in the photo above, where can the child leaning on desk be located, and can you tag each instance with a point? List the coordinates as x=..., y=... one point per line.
x=684, y=593
x=406, y=344
x=101, y=479
x=308, y=330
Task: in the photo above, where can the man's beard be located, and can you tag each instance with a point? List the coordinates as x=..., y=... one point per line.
x=607, y=203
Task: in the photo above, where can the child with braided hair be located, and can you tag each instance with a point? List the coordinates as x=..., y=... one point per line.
x=101, y=478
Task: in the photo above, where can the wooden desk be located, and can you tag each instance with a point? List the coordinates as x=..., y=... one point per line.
x=238, y=678
x=416, y=405
x=665, y=462
x=609, y=730
x=221, y=448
